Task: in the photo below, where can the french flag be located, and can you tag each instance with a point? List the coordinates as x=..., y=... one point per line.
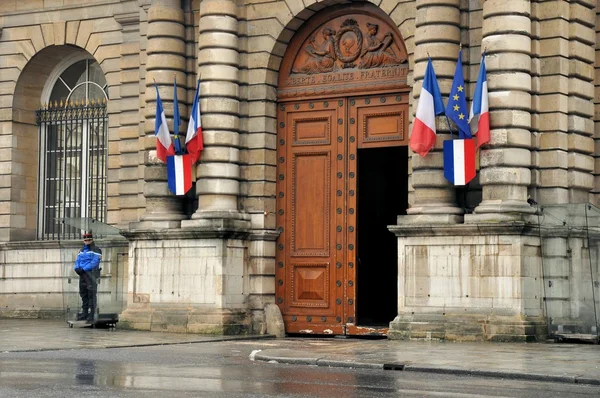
x=164, y=144
x=430, y=105
x=193, y=139
x=179, y=173
x=459, y=161
x=479, y=117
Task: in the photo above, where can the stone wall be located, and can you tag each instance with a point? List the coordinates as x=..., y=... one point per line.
x=571, y=268
x=37, y=278
x=186, y=284
x=465, y=283
x=30, y=48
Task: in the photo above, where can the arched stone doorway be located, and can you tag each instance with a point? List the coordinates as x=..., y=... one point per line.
x=342, y=174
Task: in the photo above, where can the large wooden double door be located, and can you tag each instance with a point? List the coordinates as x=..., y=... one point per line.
x=318, y=143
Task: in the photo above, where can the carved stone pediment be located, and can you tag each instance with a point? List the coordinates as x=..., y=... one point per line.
x=342, y=52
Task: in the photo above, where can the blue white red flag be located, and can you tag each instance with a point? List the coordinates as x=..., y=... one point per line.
x=479, y=118
x=194, y=142
x=164, y=145
x=430, y=105
x=459, y=161
x=179, y=174
x=456, y=109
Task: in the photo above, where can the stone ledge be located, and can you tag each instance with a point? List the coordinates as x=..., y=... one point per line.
x=179, y=320
x=31, y=314
x=468, y=328
x=113, y=241
x=224, y=231
x=500, y=228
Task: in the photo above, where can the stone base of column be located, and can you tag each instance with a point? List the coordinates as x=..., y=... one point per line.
x=429, y=219
x=174, y=318
x=474, y=327
x=190, y=281
x=469, y=282
x=435, y=210
x=219, y=221
x=500, y=211
x=154, y=225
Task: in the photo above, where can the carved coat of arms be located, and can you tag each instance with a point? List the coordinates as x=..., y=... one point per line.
x=349, y=47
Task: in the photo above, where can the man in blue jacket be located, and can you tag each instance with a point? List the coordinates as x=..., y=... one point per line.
x=87, y=266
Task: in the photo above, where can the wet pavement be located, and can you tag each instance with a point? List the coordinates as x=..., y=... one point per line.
x=223, y=369
x=18, y=335
x=570, y=363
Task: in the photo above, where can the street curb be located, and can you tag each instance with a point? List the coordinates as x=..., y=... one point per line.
x=428, y=369
x=217, y=340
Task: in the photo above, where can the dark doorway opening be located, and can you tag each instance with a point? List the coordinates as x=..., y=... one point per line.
x=382, y=196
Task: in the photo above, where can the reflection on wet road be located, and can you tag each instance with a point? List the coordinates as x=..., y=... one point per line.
x=224, y=370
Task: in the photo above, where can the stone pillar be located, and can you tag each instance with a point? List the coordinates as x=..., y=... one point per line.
x=505, y=162
x=437, y=35
x=596, y=190
x=218, y=173
x=166, y=59
x=582, y=37
x=126, y=188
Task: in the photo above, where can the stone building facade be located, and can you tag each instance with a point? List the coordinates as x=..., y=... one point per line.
x=306, y=107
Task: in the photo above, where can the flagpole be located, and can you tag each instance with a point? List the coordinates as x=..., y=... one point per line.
x=449, y=128
x=176, y=117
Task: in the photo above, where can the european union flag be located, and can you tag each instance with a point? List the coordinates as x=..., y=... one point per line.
x=456, y=109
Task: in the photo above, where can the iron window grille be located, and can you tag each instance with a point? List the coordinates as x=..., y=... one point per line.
x=73, y=163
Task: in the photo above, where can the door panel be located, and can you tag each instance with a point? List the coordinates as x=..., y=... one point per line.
x=310, y=172
x=380, y=120
x=310, y=204
x=317, y=205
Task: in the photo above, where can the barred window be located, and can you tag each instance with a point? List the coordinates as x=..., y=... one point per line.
x=73, y=130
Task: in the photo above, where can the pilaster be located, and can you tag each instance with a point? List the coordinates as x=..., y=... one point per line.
x=126, y=186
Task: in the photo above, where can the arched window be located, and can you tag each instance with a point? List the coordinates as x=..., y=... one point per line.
x=73, y=128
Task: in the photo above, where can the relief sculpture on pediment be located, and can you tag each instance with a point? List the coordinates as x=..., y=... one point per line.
x=347, y=48
x=377, y=52
x=321, y=58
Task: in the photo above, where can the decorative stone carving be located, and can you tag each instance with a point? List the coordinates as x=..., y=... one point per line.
x=378, y=52
x=351, y=39
x=343, y=53
x=321, y=58
x=340, y=50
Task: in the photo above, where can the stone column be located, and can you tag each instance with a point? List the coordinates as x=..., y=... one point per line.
x=166, y=60
x=218, y=173
x=505, y=161
x=596, y=190
x=582, y=55
x=437, y=35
